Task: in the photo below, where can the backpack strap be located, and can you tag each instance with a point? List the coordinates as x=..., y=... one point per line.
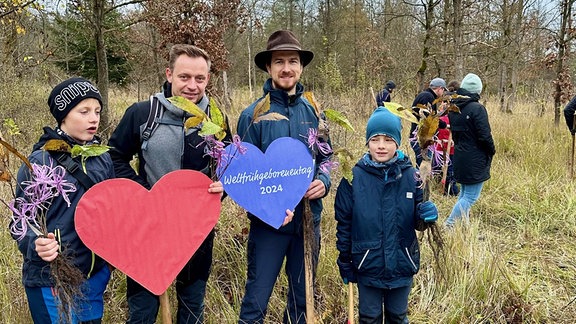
x=73, y=168
x=152, y=122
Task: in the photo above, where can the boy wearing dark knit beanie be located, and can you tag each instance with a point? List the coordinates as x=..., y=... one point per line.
x=377, y=216
x=68, y=94
x=76, y=105
x=79, y=101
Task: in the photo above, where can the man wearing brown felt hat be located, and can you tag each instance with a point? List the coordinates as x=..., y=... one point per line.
x=282, y=40
x=284, y=59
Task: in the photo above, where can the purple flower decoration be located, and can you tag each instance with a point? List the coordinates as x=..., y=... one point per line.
x=23, y=213
x=237, y=141
x=313, y=141
x=214, y=149
x=48, y=182
x=61, y=185
x=418, y=179
x=414, y=136
x=437, y=158
x=328, y=166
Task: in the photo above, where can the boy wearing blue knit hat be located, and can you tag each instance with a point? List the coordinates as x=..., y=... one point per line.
x=378, y=213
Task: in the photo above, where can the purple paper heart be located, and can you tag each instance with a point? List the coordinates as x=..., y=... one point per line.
x=268, y=184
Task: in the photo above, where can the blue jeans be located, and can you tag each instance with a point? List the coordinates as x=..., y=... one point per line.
x=44, y=303
x=469, y=194
x=267, y=249
x=395, y=303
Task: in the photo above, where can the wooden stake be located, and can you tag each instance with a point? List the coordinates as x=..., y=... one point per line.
x=165, y=308
x=572, y=157
x=350, y=303
x=309, y=247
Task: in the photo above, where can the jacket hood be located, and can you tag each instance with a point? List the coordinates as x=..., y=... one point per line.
x=395, y=170
x=461, y=102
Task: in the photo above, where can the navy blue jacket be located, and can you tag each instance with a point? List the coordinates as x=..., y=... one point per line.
x=377, y=223
x=60, y=217
x=473, y=143
x=382, y=97
x=301, y=117
x=425, y=98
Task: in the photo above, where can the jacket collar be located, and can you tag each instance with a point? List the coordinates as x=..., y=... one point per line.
x=282, y=96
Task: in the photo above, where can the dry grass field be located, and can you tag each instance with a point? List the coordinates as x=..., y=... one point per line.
x=514, y=262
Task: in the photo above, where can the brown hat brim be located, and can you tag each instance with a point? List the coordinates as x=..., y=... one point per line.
x=263, y=58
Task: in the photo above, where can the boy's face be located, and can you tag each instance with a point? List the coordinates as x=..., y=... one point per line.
x=381, y=148
x=82, y=121
x=189, y=77
x=285, y=69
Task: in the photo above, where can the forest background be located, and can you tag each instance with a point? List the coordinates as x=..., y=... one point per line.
x=514, y=263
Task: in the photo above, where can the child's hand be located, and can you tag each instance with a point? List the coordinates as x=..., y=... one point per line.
x=216, y=187
x=47, y=247
x=427, y=211
x=289, y=216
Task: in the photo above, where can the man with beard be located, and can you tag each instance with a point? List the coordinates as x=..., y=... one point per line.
x=284, y=61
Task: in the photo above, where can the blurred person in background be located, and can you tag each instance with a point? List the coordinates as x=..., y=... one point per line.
x=386, y=94
x=473, y=147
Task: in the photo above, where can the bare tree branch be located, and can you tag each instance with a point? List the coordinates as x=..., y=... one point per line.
x=3, y=14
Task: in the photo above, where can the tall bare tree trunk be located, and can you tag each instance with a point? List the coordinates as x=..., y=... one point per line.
x=158, y=63
x=98, y=12
x=518, y=17
x=251, y=78
x=564, y=38
x=458, y=51
x=504, y=59
x=429, y=16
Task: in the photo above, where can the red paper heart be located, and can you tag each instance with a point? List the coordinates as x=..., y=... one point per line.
x=148, y=235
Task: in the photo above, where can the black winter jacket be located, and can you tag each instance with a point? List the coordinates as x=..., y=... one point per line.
x=473, y=143
x=569, y=113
